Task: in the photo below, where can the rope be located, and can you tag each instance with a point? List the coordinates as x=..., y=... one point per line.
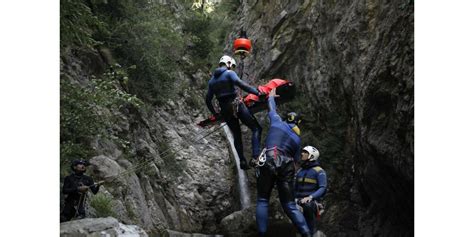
x=145, y=163
x=79, y=204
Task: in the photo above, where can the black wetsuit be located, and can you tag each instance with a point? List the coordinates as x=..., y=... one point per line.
x=70, y=188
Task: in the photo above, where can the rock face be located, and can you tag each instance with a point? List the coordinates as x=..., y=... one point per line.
x=170, y=176
x=100, y=227
x=353, y=63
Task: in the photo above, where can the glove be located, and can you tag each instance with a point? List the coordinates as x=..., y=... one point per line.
x=261, y=96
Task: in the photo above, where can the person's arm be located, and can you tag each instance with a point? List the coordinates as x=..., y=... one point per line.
x=242, y=84
x=69, y=187
x=322, y=181
x=272, y=114
x=209, y=97
x=93, y=187
x=298, y=153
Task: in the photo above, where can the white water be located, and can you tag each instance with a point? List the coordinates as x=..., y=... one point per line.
x=243, y=187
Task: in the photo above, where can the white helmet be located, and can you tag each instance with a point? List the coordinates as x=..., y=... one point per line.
x=313, y=153
x=228, y=61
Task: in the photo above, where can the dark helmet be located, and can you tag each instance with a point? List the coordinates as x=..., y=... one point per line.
x=293, y=117
x=79, y=162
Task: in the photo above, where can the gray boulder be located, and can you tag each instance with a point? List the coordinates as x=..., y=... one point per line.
x=109, y=227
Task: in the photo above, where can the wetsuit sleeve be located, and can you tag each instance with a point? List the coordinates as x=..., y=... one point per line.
x=322, y=181
x=295, y=182
x=272, y=114
x=243, y=85
x=209, y=97
x=94, y=188
x=298, y=153
x=69, y=187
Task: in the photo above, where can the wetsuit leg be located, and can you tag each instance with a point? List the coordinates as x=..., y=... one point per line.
x=309, y=212
x=81, y=210
x=68, y=212
x=251, y=122
x=265, y=183
x=234, y=126
x=286, y=195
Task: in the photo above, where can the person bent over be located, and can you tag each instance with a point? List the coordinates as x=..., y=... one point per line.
x=276, y=165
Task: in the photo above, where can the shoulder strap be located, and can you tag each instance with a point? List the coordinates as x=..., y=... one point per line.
x=317, y=169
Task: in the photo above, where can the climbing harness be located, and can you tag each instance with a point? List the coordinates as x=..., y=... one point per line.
x=235, y=106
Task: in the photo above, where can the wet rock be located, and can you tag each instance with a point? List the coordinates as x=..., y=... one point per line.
x=352, y=63
x=172, y=233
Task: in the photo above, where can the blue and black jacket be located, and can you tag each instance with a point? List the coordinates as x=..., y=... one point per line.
x=280, y=135
x=222, y=85
x=311, y=180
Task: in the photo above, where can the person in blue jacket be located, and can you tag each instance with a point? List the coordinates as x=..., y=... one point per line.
x=223, y=85
x=276, y=164
x=311, y=185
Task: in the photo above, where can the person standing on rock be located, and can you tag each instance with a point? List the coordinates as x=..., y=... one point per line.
x=310, y=187
x=276, y=164
x=75, y=187
x=223, y=85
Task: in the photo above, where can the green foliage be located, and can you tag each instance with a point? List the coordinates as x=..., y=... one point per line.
x=86, y=112
x=145, y=34
x=154, y=41
x=77, y=23
x=221, y=24
x=102, y=205
x=198, y=27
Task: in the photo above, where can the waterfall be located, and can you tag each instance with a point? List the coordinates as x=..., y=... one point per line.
x=243, y=187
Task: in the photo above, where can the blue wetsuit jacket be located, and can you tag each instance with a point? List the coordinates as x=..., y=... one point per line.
x=222, y=85
x=311, y=180
x=280, y=134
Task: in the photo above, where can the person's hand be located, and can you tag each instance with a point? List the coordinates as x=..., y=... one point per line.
x=306, y=199
x=83, y=189
x=273, y=93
